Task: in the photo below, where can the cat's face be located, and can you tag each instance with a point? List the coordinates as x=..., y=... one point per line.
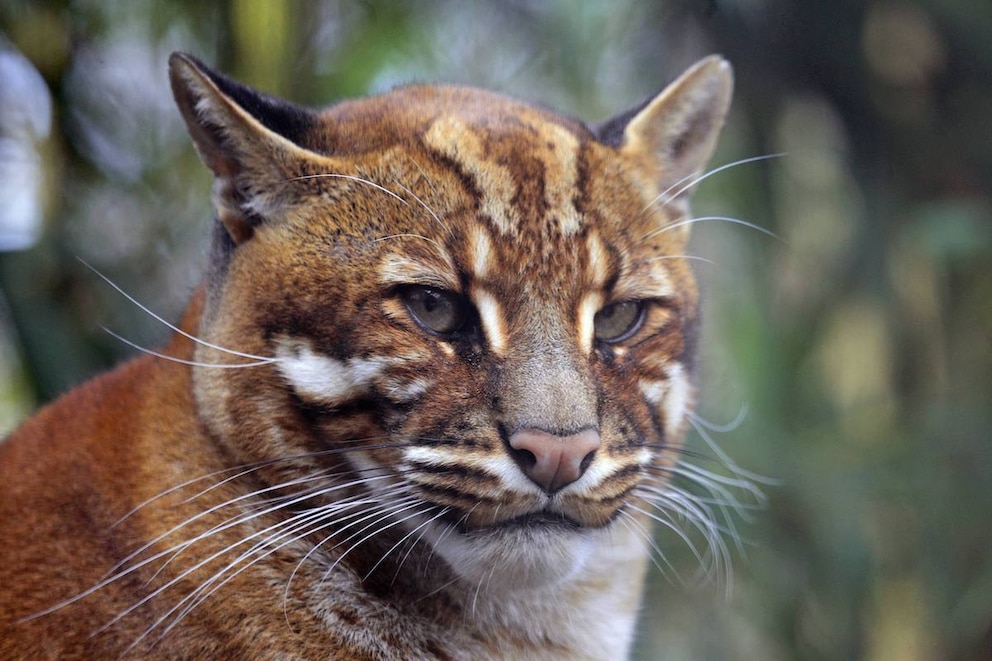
x=475, y=310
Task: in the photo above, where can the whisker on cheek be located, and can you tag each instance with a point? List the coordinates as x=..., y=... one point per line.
x=261, y=360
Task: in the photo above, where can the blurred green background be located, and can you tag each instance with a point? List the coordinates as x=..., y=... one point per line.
x=858, y=343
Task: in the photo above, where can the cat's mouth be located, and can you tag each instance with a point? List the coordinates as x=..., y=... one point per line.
x=539, y=520
x=524, y=552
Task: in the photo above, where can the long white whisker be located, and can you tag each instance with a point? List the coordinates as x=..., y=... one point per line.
x=725, y=458
x=668, y=523
x=172, y=326
x=730, y=426
x=413, y=545
x=407, y=536
x=692, y=257
x=702, y=219
x=239, y=471
x=633, y=524
x=717, y=558
x=262, y=508
x=126, y=569
x=486, y=580
x=687, y=182
x=448, y=529
x=383, y=514
x=439, y=588
x=385, y=496
x=724, y=500
x=429, y=210
x=409, y=236
x=689, y=507
x=183, y=361
x=349, y=177
x=249, y=468
x=716, y=483
x=294, y=525
x=715, y=499
x=230, y=523
x=200, y=593
x=290, y=530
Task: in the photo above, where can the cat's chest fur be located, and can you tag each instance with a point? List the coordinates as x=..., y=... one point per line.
x=426, y=404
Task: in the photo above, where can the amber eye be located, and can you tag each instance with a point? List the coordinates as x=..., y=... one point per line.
x=438, y=311
x=618, y=321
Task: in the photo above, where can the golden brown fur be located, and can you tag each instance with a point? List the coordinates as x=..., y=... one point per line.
x=365, y=485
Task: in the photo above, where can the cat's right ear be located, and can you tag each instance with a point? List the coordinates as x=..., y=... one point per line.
x=246, y=138
x=672, y=136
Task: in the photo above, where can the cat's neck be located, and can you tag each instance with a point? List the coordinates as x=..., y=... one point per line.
x=590, y=616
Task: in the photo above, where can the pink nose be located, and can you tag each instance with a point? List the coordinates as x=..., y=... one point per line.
x=552, y=461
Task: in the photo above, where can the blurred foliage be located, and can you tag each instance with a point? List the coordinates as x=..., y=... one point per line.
x=859, y=341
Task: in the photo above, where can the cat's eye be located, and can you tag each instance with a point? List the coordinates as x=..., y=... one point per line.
x=618, y=321
x=438, y=311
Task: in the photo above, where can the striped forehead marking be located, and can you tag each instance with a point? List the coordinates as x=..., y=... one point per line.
x=559, y=154
x=553, y=146
x=598, y=261
x=455, y=140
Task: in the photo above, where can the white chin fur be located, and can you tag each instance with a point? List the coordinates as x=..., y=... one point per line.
x=515, y=559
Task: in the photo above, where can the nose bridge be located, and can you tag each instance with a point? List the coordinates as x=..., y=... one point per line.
x=545, y=383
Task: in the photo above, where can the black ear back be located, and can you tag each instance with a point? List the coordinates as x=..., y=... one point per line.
x=223, y=116
x=611, y=131
x=288, y=120
x=246, y=138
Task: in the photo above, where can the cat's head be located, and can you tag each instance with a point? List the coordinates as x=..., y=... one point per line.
x=478, y=309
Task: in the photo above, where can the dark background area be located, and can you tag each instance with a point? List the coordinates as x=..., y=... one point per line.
x=857, y=345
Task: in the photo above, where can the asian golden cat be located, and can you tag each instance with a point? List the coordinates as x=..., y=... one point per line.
x=426, y=403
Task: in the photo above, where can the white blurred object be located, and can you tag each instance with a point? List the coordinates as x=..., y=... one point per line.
x=25, y=123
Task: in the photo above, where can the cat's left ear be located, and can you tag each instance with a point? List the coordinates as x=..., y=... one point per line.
x=246, y=138
x=673, y=135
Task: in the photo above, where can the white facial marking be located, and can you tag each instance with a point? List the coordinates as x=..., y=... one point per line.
x=677, y=400
x=328, y=380
x=399, y=389
x=497, y=465
x=653, y=391
x=602, y=468
x=492, y=320
x=588, y=307
x=481, y=250
x=598, y=263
